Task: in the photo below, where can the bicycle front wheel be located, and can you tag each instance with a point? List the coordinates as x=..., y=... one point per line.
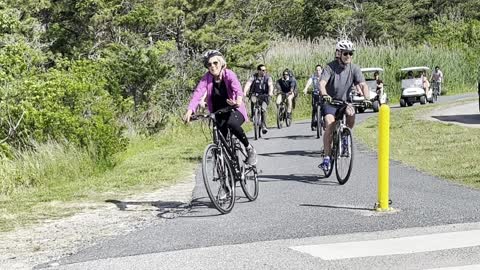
x=344, y=155
x=279, y=117
x=218, y=179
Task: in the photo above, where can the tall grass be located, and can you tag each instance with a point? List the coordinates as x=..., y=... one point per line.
x=49, y=164
x=303, y=55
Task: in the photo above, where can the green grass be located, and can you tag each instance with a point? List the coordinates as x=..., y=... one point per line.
x=61, y=178
x=445, y=150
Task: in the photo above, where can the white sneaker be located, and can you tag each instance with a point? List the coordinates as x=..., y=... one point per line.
x=251, y=155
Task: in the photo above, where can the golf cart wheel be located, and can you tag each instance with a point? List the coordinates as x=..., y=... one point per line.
x=423, y=100
x=376, y=106
x=403, y=103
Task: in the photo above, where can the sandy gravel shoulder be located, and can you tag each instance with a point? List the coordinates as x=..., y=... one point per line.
x=28, y=247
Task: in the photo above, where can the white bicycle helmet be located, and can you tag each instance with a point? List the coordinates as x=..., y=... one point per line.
x=344, y=45
x=209, y=54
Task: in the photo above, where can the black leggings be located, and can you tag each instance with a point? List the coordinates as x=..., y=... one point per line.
x=233, y=121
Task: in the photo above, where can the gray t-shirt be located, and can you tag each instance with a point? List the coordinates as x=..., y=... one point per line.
x=341, y=79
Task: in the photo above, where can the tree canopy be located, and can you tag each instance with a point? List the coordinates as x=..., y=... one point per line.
x=84, y=63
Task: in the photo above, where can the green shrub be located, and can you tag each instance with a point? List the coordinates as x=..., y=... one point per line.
x=67, y=103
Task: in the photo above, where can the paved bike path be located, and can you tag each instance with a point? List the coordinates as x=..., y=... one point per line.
x=295, y=202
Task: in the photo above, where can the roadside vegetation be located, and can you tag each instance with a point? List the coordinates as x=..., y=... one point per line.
x=66, y=181
x=91, y=93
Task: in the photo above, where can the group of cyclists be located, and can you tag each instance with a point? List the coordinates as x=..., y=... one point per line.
x=220, y=88
x=261, y=85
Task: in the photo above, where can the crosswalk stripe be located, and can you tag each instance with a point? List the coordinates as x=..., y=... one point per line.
x=465, y=267
x=392, y=246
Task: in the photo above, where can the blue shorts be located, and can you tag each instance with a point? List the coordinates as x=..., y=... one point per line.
x=329, y=109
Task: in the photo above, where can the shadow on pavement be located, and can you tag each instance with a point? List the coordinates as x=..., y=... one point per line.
x=338, y=207
x=292, y=137
x=461, y=118
x=292, y=153
x=166, y=209
x=307, y=179
x=202, y=207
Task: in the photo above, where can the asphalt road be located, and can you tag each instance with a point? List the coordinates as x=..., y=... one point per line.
x=296, y=206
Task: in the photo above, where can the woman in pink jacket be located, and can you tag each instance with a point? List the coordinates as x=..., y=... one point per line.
x=223, y=89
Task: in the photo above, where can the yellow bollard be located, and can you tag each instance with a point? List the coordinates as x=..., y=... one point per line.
x=383, y=157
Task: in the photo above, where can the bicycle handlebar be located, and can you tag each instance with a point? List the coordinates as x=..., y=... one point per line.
x=258, y=95
x=211, y=115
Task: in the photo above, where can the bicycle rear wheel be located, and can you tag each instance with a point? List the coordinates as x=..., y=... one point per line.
x=218, y=179
x=280, y=112
x=248, y=174
x=319, y=122
x=332, y=163
x=288, y=120
x=256, y=129
x=344, y=155
x=249, y=183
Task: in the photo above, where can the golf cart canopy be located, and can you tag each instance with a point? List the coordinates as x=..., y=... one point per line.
x=372, y=69
x=414, y=69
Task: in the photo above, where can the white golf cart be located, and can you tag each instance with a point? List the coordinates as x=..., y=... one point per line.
x=412, y=86
x=377, y=98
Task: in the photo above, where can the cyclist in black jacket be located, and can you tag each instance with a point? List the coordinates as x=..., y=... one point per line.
x=260, y=83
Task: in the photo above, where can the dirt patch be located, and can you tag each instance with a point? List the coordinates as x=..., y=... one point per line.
x=51, y=240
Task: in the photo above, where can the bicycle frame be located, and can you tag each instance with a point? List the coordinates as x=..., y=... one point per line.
x=317, y=103
x=436, y=87
x=257, y=115
x=340, y=124
x=257, y=100
x=228, y=147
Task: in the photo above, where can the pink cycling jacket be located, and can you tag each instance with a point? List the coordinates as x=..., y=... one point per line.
x=234, y=89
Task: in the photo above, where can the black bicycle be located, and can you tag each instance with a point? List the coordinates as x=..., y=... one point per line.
x=342, y=146
x=257, y=118
x=223, y=165
x=282, y=113
x=318, y=118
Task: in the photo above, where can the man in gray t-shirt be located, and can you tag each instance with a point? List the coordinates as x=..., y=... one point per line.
x=340, y=79
x=336, y=82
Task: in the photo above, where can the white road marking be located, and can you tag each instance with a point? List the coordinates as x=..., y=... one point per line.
x=465, y=267
x=392, y=246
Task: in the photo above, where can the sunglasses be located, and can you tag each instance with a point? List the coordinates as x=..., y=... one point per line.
x=347, y=53
x=215, y=63
x=263, y=70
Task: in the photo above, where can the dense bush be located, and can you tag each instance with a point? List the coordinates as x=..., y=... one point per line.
x=67, y=103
